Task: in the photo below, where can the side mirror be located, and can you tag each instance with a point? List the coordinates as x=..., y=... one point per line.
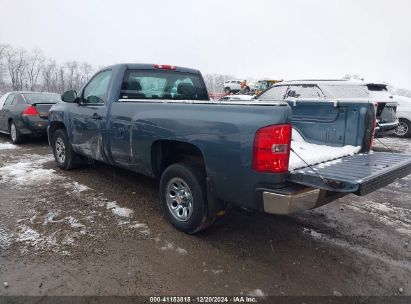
x=69, y=96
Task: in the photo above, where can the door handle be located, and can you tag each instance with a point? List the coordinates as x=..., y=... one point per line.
x=97, y=116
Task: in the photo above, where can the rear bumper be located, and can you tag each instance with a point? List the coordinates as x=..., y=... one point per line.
x=296, y=198
x=276, y=203
x=386, y=128
x=34, y=126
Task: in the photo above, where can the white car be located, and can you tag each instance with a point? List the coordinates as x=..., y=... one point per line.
x=3, y=99
x=404, y=116
x=232, y=86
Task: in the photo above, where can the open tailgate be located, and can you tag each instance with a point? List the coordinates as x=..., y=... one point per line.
x=360, y=174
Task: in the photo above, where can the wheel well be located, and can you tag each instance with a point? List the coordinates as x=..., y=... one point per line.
x=167, y=152
x=54, y=126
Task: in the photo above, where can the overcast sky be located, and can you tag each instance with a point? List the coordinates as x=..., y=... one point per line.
x=286, y=39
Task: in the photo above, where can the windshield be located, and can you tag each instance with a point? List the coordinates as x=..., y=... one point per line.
x=41, y=98
x=345, y=91
x=139, y=84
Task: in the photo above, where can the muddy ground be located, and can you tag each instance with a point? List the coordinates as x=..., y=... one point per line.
x=101, y=231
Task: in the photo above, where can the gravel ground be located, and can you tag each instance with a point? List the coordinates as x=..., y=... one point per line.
x=99, y=230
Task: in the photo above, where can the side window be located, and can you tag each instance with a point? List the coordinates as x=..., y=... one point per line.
x=9, y=100
x=96, y=90
x=304, y=91
x=275, y=93
x=19, y=100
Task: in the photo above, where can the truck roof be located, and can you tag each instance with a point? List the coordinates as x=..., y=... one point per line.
x=152, y=66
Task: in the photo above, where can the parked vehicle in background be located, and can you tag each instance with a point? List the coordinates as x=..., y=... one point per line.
x=404, y=116
x=26, y=113
x=3, y=99
x=206, y=153
x=387, y=120
x=341, y=90
x=262, y=85
x=236, y=97
x=232, y=86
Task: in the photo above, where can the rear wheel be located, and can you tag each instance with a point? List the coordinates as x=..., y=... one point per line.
x=14, y=133
x=403, y=129
x=184, y=198
x=227, y=90
x=64, y=155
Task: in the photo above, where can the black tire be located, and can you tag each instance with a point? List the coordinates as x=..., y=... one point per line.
x=15, y=134
x=227, y=90
x=404, y=128
x=194, y=177
x=59, y=141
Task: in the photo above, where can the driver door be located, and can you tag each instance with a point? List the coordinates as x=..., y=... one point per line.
x=89, y=117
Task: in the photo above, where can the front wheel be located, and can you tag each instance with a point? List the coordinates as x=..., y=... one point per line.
x=183, y=196
x=403, y=129
x=227, y=91
x=64, y=155
x=15, y=133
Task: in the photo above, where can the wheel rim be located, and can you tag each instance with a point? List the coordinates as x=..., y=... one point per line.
x=401, y=129
x=179, y=199
x=13, y=132
x=60, y=150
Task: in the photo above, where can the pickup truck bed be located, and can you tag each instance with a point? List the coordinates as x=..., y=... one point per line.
x=158, y=121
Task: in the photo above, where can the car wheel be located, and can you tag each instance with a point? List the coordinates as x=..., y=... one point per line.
x=64, y=155
x=227, y=90
x=14, y=133
x=403, y=129
x=183, y=196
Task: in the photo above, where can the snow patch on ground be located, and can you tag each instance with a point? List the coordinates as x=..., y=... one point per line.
x=255, y=293
x=76, y=187
x=36, y=240
x=181, y=250
x=5, y=238
x=29, y=171
x=7, y=146
x=119, y=211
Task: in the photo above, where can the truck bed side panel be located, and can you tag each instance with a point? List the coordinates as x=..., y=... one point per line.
x=223, y=133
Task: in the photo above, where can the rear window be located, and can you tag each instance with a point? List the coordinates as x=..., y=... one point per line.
x=345, y=91
x=275, y=93
x=138, y=84
x=41, y=98
x=377, y=87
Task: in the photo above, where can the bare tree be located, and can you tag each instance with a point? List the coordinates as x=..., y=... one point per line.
x=34, y=67
x=85, y=73
x=3, y=49
x=48, y=71
x=16, y=63
x=72, y=71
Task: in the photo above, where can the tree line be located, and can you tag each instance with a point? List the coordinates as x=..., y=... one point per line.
x=33, y=71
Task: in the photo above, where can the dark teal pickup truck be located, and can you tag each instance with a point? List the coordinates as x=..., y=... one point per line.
x=267, y=155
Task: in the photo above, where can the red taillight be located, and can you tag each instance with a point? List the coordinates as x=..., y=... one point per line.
x=164, y=67
x=30, y=111
x=271, y=151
